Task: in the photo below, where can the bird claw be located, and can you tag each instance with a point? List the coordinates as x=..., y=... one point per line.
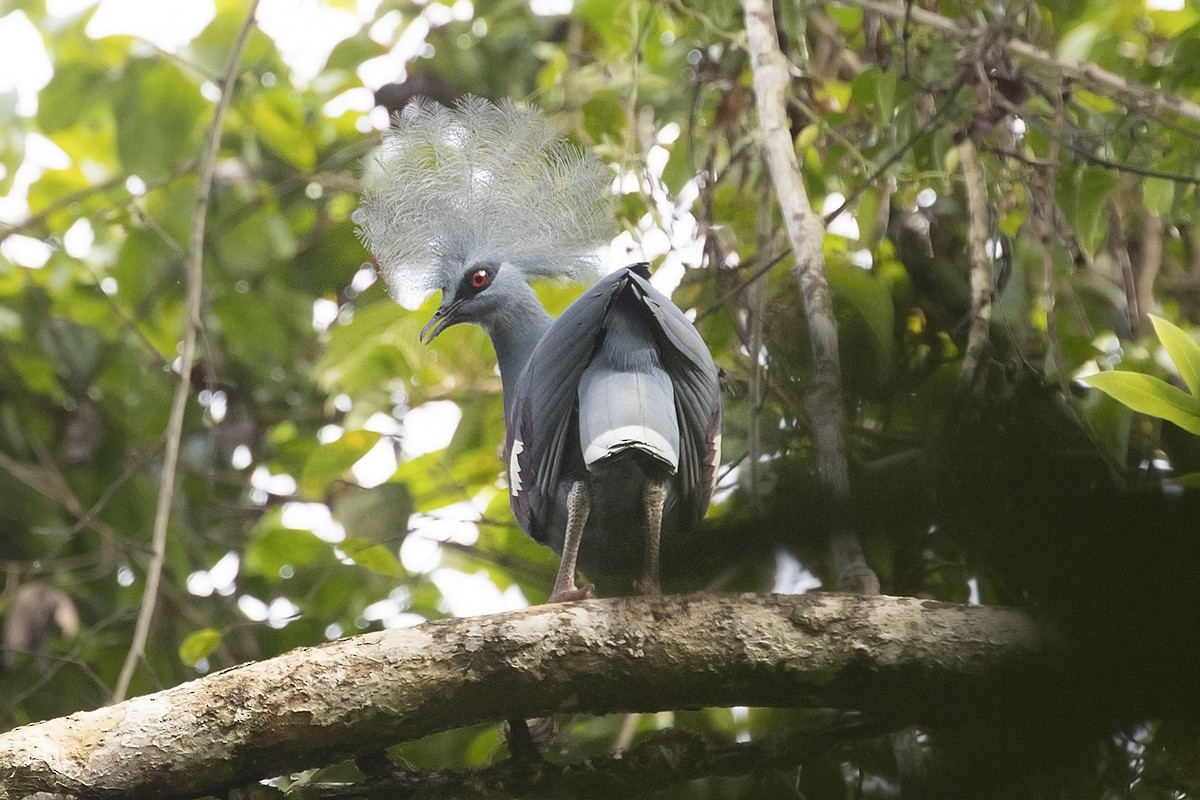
x=570, y=594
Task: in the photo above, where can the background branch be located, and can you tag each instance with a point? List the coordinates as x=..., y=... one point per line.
x=1090, y=75
x=981, y=273
x=807, y=233
x=174, y=434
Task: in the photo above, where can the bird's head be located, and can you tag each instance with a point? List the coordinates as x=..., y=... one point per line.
x=480, y=295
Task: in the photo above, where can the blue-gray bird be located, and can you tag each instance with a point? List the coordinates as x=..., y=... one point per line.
x=613, y=410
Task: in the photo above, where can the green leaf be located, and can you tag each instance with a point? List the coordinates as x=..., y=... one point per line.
x=604, y=116
x=274, y=547
x=1083, y=193
x=330, y=462
x=379, y=514
x=870, y=298
x=255, y=241
x=76, y=87
x=210, y=50
x=1183, y=350
x=348, y=54
x=279, y=120
x=158, y=118
x=198, y=645
x=374, y=557
x=1158, y=195
x=1189, y=480
x=1149, y=395
x=436, y=481
x=1077, y=44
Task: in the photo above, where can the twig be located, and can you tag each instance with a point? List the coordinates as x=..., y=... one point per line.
x=1083, y=72
x=766, y=267
x=1082, y=153
x=49, y=482
x=629, y=725
x=195, y=286
x=1043, y=191
x=806, y=232
x=1150, y=257
x=1119, y=245
x=26, y=225
x=981, y=277
x=899, y=152
x=756, y=308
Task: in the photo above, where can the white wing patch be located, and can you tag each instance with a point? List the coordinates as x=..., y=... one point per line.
x=716, y=460
x=627, y=436
x=514, y=468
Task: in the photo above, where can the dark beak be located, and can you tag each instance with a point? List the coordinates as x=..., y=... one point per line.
x=443, y=318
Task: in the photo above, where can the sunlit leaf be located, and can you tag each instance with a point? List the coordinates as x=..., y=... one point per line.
x=201, y=644
x=1149, y=395
x=1077, y=43
x=1183, y=350
x=1158, y=194
x=279, y=120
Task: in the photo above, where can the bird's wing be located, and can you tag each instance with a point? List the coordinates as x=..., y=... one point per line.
x=541, y=430
x=687, y=360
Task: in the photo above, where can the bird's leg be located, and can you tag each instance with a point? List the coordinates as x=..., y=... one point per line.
x=655, y=498
x=578, y=505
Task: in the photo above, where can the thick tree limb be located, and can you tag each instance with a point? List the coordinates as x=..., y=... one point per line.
x=807, y=233
x=901, y=657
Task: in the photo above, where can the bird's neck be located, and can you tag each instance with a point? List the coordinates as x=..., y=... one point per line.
x=515, y=336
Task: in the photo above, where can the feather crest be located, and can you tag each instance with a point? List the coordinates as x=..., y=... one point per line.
x=482, y=182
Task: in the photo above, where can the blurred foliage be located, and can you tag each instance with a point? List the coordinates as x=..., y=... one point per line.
x=1027, y=488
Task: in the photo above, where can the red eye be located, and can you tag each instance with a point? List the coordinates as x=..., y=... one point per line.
x=480, y=278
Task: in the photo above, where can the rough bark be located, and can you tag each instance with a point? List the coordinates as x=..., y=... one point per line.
x=900, y=657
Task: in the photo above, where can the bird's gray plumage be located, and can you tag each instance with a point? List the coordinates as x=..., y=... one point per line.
x=623, y=314
x=613, y=410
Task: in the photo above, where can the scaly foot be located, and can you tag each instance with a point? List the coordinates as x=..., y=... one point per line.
x=569, y=594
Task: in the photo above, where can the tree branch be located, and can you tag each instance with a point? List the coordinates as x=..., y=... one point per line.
x=807, y=233
x=668, y=758
x=981, y=273
x=174, y=433
x=900, y=657
x=1086, y=73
